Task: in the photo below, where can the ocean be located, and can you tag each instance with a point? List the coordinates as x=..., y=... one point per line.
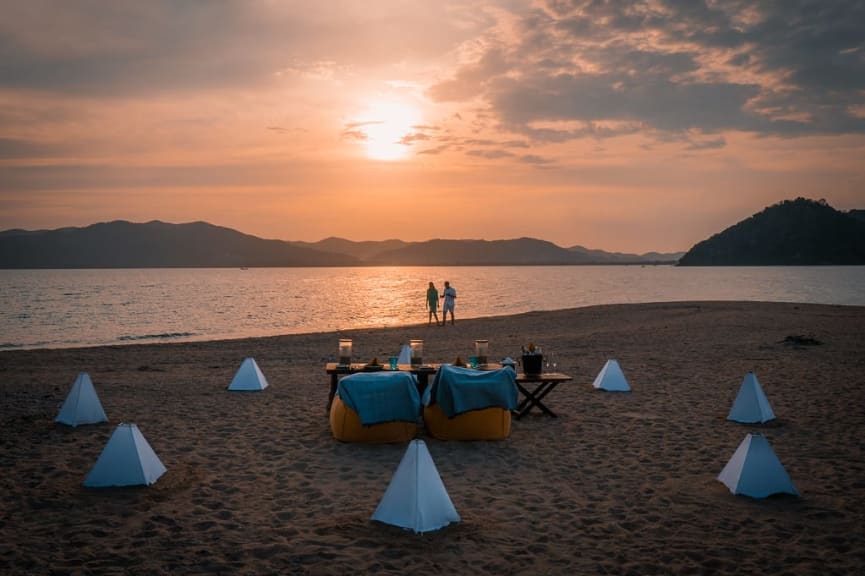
x=72, y=308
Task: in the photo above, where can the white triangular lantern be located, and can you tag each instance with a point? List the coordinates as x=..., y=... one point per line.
x=82, y=405
x=611, y=378
x=404, y=354
x=126, y=460
x=755, y=471
x=751, y=404
x=248, y=377
x=416, y=498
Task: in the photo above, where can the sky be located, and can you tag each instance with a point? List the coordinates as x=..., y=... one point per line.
x=629, y=126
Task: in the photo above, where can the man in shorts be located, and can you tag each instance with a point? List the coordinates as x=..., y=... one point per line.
x=449, y=295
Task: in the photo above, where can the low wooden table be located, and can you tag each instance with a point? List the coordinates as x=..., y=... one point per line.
x=543, y=384
x=336, y=370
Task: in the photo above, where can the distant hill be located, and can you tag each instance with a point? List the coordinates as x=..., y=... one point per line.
x=154, y=244
x=367, y=250
x=601, y=257
x=515, y=252
x=439, y=252
x=793, y=232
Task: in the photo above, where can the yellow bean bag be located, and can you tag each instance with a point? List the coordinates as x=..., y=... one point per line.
x=486, y=424
x=346, y=427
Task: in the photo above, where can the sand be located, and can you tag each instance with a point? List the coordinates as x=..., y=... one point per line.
x=620, y=483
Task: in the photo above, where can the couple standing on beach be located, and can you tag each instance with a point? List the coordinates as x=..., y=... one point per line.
x=432, y=303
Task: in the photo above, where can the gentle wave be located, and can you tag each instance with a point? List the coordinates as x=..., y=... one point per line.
x=73, y=308
x=163, y=336
x=10, y=345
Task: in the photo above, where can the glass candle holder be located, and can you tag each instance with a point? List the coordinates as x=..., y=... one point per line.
x=345, y=351
x=481, y=350
x=416, y=352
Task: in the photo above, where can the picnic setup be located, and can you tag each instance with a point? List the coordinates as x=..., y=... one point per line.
x=391, y=402
x=459, y=401
x=394, y=402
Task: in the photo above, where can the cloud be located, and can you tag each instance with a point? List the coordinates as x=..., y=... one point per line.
x=413, y=137
x=511, y=74
x=534, y=159
x=490, y=142
x=426, y=127
x=356, y=135
x=434, y=151
x=655, y=101
x=490, y=154
x=582, y=68
x=488, y=148
x=284, y=130
x=355, y=130
x=470, y=80
x=110, y=178
x=17, y=148
x=710, y=144
x=109, y=48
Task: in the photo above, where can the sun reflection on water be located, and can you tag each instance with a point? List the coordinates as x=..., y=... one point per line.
x=63, y=308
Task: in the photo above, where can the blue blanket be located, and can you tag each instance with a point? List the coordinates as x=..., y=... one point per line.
x=381, y=396
x=457, y=390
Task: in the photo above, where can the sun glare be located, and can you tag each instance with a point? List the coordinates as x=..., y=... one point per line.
x=385, y=125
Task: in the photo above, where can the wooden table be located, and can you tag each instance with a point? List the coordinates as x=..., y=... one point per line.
x=336, y=370
x=542, y=384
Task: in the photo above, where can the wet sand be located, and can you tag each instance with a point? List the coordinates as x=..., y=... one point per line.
x=620, y=483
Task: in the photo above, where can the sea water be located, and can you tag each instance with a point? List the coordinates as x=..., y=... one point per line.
x=70, y=308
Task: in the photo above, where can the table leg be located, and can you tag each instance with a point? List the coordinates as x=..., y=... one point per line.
x=527, y=397
x=422, y=382
x=538, y=397
x=332, y=393
x=534, y=398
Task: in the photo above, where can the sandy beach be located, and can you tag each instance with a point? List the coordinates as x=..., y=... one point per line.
x=618, y=484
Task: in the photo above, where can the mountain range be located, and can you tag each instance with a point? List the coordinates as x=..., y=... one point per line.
x=793, y=232
x=122, y=244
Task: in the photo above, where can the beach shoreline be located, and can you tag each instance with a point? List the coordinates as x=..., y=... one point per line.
x=619, y=483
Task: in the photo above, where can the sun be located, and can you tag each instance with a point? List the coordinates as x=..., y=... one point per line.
x=385, y=125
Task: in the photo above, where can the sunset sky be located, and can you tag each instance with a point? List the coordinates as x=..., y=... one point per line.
x=628, y=126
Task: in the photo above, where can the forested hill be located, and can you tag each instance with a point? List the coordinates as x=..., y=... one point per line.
x=793, y=232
